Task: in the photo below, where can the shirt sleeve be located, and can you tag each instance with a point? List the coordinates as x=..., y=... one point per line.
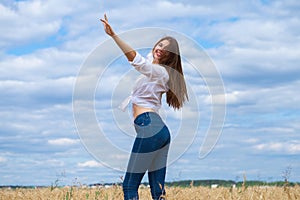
x=147, y=68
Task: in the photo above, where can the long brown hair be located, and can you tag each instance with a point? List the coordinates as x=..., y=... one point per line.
x=177, y=93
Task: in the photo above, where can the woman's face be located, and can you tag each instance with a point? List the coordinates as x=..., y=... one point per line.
x=159, y=51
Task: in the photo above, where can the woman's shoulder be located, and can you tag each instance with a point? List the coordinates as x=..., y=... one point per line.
x=145, y=66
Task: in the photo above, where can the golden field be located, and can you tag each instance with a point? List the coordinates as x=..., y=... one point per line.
x=173, y=193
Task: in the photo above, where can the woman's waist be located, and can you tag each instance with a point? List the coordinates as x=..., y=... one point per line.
x=138, y=110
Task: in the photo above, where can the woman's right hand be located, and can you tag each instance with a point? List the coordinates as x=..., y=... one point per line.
x=127, y=50
x=107, y=26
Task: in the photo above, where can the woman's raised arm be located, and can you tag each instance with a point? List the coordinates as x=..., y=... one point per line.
x=127, y=50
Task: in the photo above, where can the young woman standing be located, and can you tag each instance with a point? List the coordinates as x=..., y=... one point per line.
x=160, y=74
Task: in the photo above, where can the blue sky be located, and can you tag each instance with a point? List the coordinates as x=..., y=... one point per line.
x=255, y=46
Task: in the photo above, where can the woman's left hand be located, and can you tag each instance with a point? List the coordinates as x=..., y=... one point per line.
x=109, y=31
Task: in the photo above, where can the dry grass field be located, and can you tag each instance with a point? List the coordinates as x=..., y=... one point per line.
x=173, y=193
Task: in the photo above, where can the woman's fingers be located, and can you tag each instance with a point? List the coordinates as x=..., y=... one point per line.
x=107, y=26
x=104, y=22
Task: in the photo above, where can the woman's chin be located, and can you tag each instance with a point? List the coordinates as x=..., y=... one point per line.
x=155, y=60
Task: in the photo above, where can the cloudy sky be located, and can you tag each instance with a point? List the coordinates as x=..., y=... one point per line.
x=254, y=45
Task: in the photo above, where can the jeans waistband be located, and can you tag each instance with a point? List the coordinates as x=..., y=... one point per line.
x=146, y=114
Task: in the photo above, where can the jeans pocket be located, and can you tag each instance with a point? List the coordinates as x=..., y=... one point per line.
x=142, y=120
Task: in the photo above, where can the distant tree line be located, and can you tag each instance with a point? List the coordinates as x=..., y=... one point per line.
x=191, y=183
x=227, y=183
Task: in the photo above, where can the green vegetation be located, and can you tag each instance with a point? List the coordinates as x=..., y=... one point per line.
x=186, y=183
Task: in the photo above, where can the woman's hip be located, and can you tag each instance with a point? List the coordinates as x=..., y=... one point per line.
x=149, y=124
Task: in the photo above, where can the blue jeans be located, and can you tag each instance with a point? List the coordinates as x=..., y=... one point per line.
x=149, y=153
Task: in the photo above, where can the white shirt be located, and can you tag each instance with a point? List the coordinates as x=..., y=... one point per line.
x=151, y=84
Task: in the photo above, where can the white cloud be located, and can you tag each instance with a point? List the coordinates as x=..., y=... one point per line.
x=57, y=91
x=43, y=64
x=251, y=140
x=26, y=22
x=291, y=147
x=90, y=163
x=170, y=12
x=257, y=54
x=260, y=47
x=63, y=141
x=27, y=19
x=3, y=159
x=256, y=98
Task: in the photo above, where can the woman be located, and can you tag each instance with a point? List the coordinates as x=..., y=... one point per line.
x=161, y=75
